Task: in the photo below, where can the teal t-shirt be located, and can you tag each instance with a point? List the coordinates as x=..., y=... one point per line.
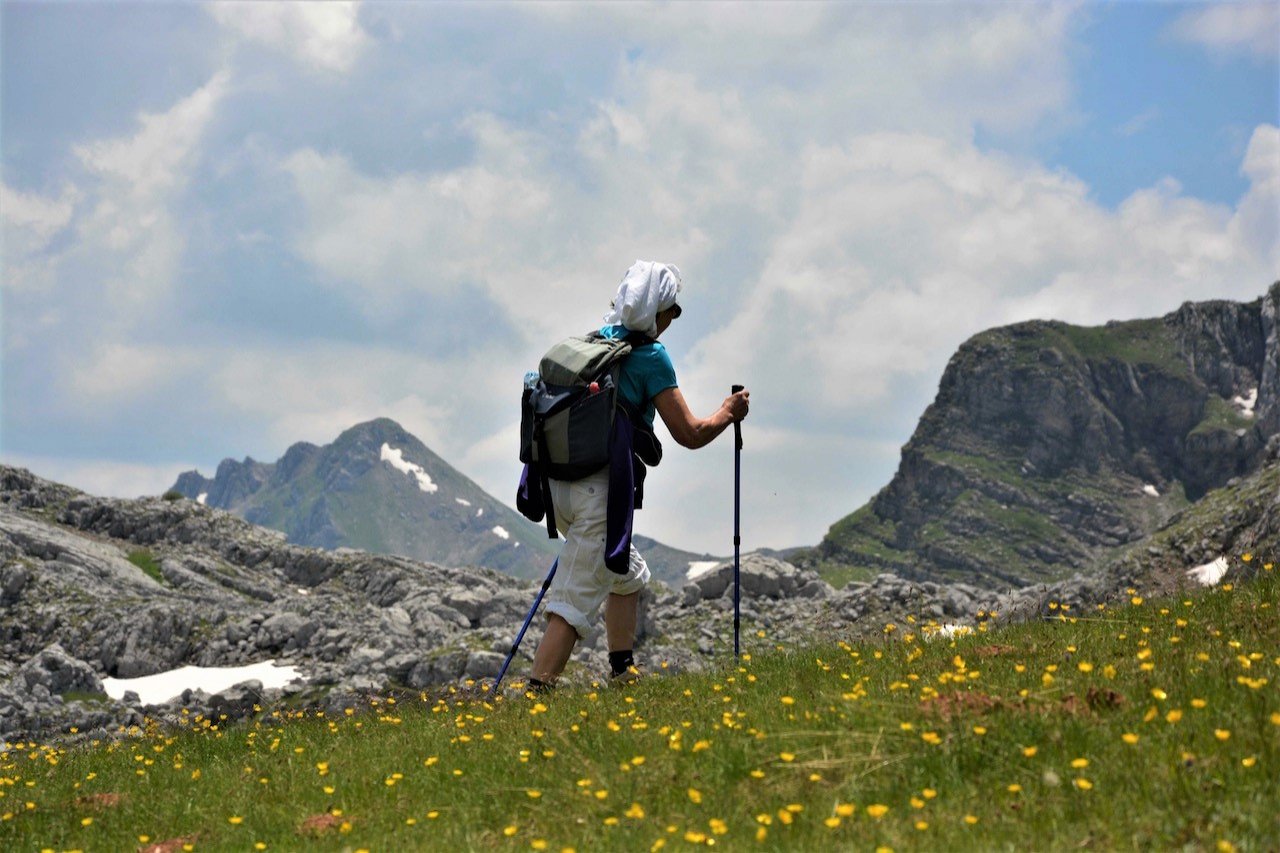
x=647, y=372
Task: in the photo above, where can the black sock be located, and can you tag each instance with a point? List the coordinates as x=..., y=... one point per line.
x=621, y=661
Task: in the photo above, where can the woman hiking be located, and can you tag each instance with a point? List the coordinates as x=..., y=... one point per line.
x=646, y=303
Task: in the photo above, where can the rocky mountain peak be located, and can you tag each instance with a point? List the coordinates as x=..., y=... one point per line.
x=378, y=488
x=1048, y=445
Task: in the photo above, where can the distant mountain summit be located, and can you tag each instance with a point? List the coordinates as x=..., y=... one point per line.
x=1049, y=446
x=379, y=489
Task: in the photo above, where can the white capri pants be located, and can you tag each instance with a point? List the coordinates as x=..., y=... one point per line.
x=582, y=581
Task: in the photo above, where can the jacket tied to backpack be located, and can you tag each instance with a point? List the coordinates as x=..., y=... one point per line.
x=573, y=423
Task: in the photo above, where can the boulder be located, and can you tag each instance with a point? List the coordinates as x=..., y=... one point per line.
x=13, y=579
x=59, y=673
x=483, y=664
x=238, y=700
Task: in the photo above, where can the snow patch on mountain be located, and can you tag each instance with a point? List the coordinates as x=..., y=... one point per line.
x=501, y=531
x=163, y=686
x=396, y=459
x=1245, y=404
x=1210, y=573
x=698, y=568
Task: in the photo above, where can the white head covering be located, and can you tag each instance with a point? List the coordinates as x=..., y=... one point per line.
x=647, y=288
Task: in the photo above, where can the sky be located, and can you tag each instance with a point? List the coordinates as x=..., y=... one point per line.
x=229, y=227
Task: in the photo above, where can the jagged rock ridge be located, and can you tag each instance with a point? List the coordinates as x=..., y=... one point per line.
x=1049, y=446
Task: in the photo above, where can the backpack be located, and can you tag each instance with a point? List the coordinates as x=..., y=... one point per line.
x=568, y=407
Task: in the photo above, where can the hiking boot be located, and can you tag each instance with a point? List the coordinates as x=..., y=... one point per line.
x=630, y=675
x=535, y=688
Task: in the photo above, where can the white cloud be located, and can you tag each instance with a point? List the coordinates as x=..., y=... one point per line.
x=104, y=477
x=314, y=392
x=820, y=69
x=155, y=158
x=325, y=36
x=114, y=374
x=28, y=223
x=131, y=232
x=1139, y=123
x=414, y=234
x=39, y=217
x=905, y=245
x=1232, y=27
x=1256, y=223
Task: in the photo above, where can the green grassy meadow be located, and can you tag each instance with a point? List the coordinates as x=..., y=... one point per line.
x=1144, y=725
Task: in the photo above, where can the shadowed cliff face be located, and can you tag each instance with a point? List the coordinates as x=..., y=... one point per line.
x=1049, y=445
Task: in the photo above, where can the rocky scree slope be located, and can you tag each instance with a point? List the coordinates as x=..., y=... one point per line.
x=93, y=587
x=379, y=489
x=74, y=606
x=1050, y=447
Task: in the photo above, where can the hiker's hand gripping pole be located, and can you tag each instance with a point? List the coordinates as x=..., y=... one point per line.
x=737, y=533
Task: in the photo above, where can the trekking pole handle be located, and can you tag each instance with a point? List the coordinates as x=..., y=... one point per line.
x=737, y=425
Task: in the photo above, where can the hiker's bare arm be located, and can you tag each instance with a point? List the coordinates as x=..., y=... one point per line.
x=693, y=432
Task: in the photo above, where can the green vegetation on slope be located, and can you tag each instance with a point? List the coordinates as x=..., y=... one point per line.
x=1219, y=414
x=1145, y=342
x=1146, y=725
x=146, y=561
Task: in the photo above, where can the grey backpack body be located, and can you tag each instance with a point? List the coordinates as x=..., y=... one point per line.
x=567, y=414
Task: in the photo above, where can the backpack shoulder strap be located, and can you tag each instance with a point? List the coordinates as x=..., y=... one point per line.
x=639, y=339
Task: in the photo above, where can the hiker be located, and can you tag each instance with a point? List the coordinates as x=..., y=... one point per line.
x=646, y=303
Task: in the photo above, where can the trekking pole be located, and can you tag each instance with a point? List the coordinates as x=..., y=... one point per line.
x=525, y=627
x=737, y=515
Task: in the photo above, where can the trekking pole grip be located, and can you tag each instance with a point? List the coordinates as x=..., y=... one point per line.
x=737, y=425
